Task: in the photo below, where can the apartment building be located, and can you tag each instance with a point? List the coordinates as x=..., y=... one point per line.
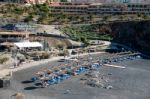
x=139, y=8
x=107, y=9
x=69, y=8
x=76, y=1
x=13, y=36
x=99, y=8
x=109, y=1
x=119, y=9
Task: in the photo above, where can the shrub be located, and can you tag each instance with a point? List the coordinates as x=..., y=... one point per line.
x=45, y=55
x=66, y=52
x=28, y=18
x=3, y=60
x=41, y=55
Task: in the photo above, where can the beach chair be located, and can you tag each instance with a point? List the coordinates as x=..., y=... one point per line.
x=51, y=81
x=34, y=78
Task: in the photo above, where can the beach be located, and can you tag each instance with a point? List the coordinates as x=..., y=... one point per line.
x=131, y=82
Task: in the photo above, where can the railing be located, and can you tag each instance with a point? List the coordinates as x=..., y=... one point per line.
x=11, y=39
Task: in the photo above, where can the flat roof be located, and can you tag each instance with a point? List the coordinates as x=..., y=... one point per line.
x=14, y=33
x=28, y=44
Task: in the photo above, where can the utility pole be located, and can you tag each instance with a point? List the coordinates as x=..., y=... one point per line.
x=14, y=55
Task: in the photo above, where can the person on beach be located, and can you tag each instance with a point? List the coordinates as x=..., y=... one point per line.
x=44, y=84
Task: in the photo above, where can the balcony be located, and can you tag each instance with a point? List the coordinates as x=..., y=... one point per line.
x=11, y=39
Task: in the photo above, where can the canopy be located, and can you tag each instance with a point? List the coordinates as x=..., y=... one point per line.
x=28, y=44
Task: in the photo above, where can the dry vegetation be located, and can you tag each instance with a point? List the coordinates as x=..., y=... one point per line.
x=52, y=41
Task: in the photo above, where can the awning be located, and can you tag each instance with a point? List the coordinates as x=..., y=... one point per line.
x=28, y=44
x=8, y=44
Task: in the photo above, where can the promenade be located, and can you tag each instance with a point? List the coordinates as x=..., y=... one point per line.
x=37, y=63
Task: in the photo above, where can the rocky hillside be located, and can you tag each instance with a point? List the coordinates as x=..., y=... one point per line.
x=135, y=34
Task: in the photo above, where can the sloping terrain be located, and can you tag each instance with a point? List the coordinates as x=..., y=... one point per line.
x=134, y=34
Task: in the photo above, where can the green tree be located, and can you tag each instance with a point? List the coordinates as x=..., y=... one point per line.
x=28, y=18
x=90, y=17
x=145, y=16
x=63, y=0
x=139, y=15
x=18, y=10
x=41, y=9
x=107, y=18
x=85, y=41
x=62, y=15
x=121, y=17
x=43, y=19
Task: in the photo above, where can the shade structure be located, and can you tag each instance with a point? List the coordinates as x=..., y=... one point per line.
x=28, y=44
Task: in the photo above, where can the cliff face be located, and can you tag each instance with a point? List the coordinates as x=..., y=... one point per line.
x=133, y=33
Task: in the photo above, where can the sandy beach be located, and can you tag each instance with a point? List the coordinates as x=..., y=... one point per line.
x=131, y=82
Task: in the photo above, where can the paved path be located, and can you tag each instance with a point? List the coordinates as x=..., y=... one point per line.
x=36, y=63
x=44, y=61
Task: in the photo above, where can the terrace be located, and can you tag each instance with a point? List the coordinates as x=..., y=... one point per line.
x=13, y=36
x=99, y=8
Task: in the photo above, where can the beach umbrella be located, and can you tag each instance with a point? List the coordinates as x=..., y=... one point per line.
x=40, y=73
x=52, y=81
x=44, y=78
x=34, y=78
x=49, y=71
